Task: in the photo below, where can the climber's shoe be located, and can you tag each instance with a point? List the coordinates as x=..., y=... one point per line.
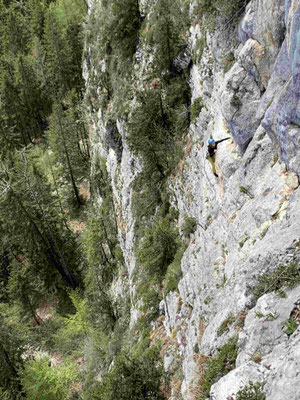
x=216, y=175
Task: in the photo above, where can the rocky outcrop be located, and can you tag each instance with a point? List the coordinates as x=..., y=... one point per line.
x=247, y=219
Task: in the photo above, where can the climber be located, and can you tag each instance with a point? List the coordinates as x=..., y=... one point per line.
x=211, y=153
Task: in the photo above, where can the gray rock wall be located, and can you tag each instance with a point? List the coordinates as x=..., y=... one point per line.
x=248, y=219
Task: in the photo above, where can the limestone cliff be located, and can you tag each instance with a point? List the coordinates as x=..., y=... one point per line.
x=246, y=78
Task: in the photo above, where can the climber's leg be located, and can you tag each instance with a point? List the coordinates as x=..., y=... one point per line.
x=212, y=160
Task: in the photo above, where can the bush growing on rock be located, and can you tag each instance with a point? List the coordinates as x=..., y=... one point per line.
x=174, y=272
x=189, y=226
x=285, y=276
x=227, y=61
x=219, y=366
x=253, y=391
x=166, y=27
x=132, y=377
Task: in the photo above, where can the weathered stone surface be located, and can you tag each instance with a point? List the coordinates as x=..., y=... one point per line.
x=283, y=380
x=250, y=57
x=240, y=96
x=282, y=118
x=230, y=384
x=241, y=234
x=264, y=325
x=279, y=371
x=248, y=218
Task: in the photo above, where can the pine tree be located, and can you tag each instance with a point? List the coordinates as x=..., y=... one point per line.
x=63, y=138
x=27, y=205
x=166, y=26
x=63, y=53
x=25, y=288
x=11, y=363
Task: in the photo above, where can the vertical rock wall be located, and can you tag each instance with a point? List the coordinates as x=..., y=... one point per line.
x=247, y=218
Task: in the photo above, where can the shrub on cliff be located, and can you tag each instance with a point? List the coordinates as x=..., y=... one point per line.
x=219, y=366
x=285, y=276
x=253, y=391
x=165, y=32
x=119, y=27
x=132, y=377
x=158, y=248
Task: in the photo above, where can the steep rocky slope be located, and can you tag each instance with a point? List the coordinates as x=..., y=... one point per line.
x=247, y=80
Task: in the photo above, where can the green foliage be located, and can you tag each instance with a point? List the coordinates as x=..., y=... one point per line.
x=285, y=276
x=291, y=325
x=235, y=101
x=159, y=255
x=259, y=314
x=174, y=273
x=189, y=226
x=261, y=136
x=72, y=11
x=44, y=336
x=28, y=204
x=63, y=50
x=120, y=22
x=227, y=61
x=243, y=190
x=271, y=316
x=12, y=345
x=219, y=366
x=152, y=130
x=69, y=338
x=225, y=325
x=199, y=48
x=196, y=108
x=102, y=251
x=210, y=9
x=165, y=30
x=132, y=377
x=64, y=132
x=99, y=276
x=25, y=288
x=43, y=381
x=253, y=391
x=158, y=122
x=208, y=300
x=113, y=36
x=158, y=248
x=40, y=87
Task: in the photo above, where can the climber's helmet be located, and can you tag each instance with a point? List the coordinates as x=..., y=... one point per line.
x=211, y=141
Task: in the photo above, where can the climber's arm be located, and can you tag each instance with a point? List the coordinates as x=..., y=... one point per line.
x=222, y=140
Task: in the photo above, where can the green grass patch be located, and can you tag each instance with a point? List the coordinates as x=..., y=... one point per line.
x=225, y=325
x=219, y=366
x=284, y=277
x=174, y=272
x=196, y=108
x=291, y=325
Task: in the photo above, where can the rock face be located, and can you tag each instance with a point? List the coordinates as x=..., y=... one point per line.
x=248, y=219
